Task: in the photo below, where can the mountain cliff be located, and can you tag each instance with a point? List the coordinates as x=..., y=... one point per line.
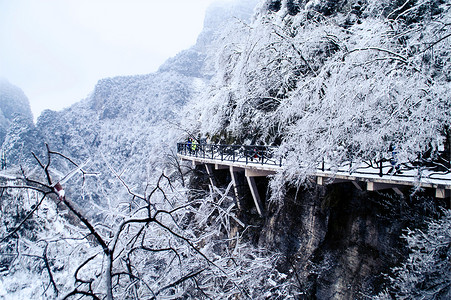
x=324, y=78
x=18, y=134
x=129, y=123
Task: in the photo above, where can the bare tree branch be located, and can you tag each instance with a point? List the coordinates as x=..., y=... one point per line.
x=436, y=42
x=82, y=293
x=376, y=49
x=49, y=271
x=29, y=215
x=181, y=280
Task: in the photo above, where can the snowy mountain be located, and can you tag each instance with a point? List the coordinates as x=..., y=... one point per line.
x=128, y=124
x=18, y=134
x=336, y=79
x=13, y=102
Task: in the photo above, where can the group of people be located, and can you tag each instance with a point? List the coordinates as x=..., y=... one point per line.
x=192, y=145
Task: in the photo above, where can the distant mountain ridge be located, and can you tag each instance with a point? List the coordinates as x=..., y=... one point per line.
x=13, y=102
x=127, y=122
x=342, y=80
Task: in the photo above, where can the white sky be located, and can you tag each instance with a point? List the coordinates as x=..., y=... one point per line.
x=56, y=50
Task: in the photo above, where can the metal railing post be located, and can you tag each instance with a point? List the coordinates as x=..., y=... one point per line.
x=251, y=154
x=246, y=153
x=380, y=168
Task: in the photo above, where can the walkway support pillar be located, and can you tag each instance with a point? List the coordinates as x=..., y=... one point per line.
x=233, y=175
x=374, y=186
x=255, y=194
x=211, y=177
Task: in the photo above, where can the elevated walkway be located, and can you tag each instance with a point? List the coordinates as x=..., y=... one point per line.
x=256, y=161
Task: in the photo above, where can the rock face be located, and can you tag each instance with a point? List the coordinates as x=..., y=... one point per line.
x=13, y=102
x=18, y=134
x=339, y=241
x=336, y=241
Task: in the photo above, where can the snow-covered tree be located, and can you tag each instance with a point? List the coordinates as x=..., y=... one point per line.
x=426, y=272
x=152, y=245
x=338, y=80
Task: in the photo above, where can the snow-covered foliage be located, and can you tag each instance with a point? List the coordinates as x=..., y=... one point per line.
x=158, y=245
x=333, y=79
x=44, y=238
x=426, y=272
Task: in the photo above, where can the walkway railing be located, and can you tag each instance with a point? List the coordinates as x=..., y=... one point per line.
x=390, y=166
x=265, y=155
x=249, y=154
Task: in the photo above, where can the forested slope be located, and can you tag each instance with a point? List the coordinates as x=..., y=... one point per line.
x=324, y=79
x=129, y=123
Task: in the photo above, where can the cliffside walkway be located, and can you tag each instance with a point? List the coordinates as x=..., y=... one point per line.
x=374, y=175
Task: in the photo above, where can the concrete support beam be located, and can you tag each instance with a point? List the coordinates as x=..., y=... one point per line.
x=375, y=186
x=322, y=180
x=357, y=185
x=210, y=174
x=398, y=191
x=221, y=167
x=235, y=188
x=258, y=173
x=442, y=193
x=255, y=195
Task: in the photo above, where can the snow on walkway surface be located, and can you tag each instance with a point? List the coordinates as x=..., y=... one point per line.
x=404, y=176
x=261, y=157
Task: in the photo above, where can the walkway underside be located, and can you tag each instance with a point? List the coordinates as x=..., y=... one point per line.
x=364, y=178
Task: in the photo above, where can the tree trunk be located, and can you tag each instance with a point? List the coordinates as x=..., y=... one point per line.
x=108, y=277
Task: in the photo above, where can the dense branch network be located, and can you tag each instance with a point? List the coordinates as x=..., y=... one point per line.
x=156, y=226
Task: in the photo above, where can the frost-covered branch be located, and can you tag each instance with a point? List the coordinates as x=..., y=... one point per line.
x=126, y=254
x=436, y=42
x=402, y=58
